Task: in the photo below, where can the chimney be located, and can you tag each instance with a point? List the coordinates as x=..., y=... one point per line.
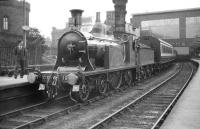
x=98, y=18
x=120, y=14
x=76, y=17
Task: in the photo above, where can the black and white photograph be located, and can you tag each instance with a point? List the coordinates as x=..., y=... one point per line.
x=99, y=64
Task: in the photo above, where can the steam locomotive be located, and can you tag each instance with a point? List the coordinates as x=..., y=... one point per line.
x=88, y=62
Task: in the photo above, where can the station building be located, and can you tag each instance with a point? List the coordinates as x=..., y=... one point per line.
x=12, y=17
x=12, y=20
x=179, y=27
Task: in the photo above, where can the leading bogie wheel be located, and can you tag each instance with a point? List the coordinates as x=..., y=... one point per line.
x=82, y=95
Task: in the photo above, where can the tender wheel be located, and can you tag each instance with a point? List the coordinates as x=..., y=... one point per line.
x=102, y=88
x=115, y=80
x=143, y=73
x=138, y=75
x=128, y=78
x=144, y=76
x=149, y=72
x=82, y=95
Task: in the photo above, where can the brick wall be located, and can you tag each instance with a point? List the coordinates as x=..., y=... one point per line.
x=13, y=9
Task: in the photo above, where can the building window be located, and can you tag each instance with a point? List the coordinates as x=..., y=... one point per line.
x=163, y=28
x=192, y=27
x=5, y=23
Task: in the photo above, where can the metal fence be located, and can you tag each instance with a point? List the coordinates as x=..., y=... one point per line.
x=7, y=57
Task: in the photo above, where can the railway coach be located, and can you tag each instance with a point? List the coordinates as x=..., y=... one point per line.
x=163, y=51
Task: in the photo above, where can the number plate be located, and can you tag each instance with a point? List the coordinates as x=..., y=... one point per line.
x=75, y=88
x=65, y=78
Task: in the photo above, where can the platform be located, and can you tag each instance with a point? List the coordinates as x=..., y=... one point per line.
x=10, y=82
x=186, y=112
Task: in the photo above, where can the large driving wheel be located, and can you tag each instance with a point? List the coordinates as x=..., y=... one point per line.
x=115, y=80
x=102, y=88
x=128, y=78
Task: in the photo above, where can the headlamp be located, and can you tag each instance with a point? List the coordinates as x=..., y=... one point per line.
x=31, y=78
x=72, y=78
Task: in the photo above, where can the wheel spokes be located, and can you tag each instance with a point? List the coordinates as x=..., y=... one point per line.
x=103, y=87
x=84, y=92
x=128, y=78
x=115, y=80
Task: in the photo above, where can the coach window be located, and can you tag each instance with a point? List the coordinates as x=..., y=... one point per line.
x=5, y=23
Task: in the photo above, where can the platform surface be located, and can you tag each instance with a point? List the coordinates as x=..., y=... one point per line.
x=10, y=82
x=186, y=112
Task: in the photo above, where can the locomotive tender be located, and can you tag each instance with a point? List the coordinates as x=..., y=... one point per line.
x=88, y=62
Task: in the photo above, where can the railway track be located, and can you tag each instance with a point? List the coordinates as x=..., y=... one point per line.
x=149, y=110
x=35, y=115
x=19, y=97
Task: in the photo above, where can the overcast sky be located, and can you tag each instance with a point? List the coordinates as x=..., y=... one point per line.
x=45, y=14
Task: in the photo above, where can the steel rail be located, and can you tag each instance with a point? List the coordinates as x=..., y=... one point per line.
x=28, y=108
x=169, y=108
x=53, y=115
x=17, y=96
x=45, y=118
x=101, y=123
